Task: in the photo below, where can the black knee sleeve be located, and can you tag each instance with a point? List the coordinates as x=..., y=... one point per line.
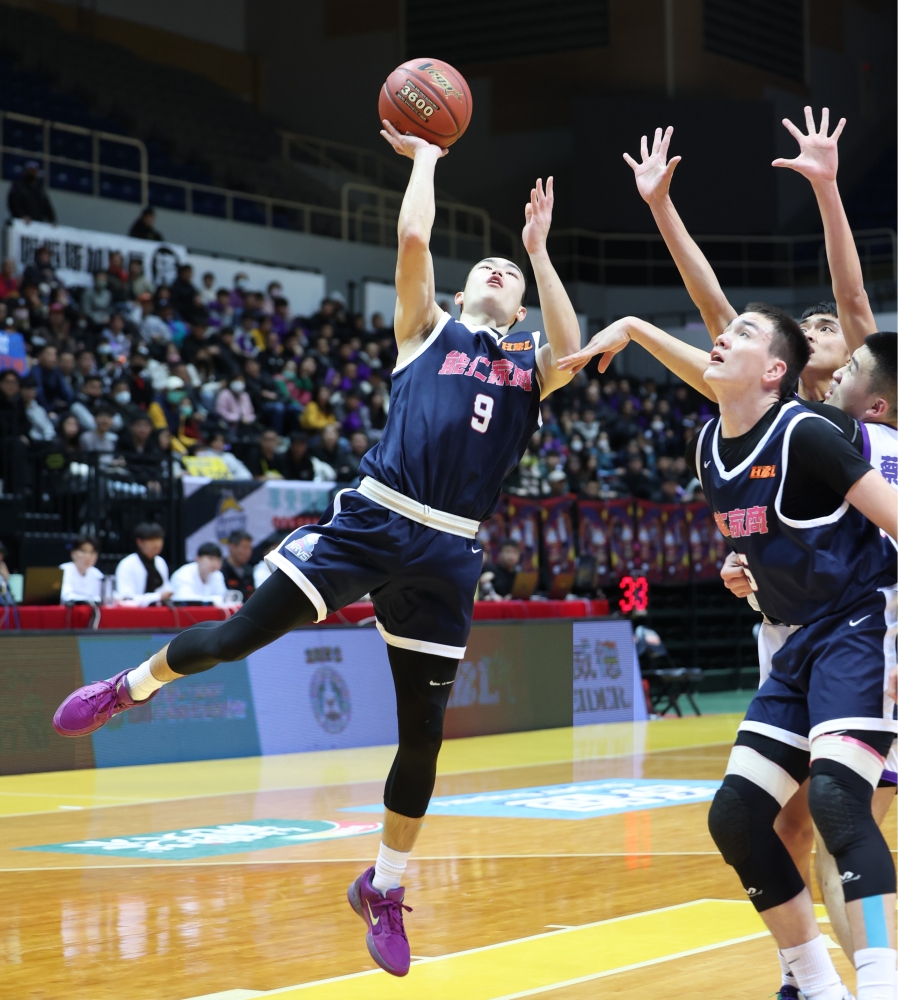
x=277, y=607
x=840, y=803
x=423, y=684
x=741, y=824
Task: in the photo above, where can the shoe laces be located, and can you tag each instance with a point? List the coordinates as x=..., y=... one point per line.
x=391, y=909
x=105, y=700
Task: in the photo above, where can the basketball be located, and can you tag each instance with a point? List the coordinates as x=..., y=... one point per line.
x=427, y=98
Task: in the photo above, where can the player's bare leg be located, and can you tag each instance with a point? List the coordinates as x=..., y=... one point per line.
x=796, y=830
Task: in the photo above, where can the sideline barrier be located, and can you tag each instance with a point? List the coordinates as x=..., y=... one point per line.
x=314, y=689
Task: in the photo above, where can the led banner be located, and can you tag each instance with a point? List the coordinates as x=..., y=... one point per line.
x=607, y=680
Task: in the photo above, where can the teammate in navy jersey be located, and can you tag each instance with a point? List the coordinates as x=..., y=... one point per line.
x=464, y=406
x=823, y=709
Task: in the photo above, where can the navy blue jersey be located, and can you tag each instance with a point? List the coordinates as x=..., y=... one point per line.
x=462, y=412
x=804, y=569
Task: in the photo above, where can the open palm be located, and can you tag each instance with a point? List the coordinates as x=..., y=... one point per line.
x=818, y=157
x=538, y=216
x=654, y=173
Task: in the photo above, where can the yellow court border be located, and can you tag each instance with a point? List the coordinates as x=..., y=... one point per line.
x=552, y=960
x=29, y=794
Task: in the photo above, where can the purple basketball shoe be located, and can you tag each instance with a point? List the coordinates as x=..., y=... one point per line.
x=386, y=938
x=94, y=705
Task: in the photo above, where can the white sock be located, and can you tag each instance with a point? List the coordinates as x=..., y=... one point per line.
x=813, y=968
x=788, y=977
x=389, y=868
x=141, y=683
x=877, y=978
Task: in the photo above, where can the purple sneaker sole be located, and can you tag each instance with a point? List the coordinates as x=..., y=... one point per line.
x=92, y=706
x=389, y=909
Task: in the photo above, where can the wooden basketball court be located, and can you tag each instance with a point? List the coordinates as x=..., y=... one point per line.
x=629, y=904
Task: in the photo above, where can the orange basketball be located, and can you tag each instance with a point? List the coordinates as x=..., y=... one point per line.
x=426, y=98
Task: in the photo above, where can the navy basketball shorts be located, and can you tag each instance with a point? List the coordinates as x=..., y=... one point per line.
x=829, y=675
x=421, y=580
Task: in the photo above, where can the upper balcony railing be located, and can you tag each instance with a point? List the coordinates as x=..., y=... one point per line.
x=114, y=166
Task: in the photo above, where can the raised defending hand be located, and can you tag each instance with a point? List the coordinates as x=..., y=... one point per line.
x=818, y=157
x=654, y=173
x=407, y=145
x=538, y=216
x=607, y=342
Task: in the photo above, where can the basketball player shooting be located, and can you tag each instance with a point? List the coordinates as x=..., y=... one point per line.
x=465, y=403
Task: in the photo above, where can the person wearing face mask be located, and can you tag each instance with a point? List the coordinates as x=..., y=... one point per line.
x=234, y=405
x=172, y=409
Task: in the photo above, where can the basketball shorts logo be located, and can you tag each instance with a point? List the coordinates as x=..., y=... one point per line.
x=302, y=547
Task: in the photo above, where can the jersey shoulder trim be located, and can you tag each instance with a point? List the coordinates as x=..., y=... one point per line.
x=746, y=462
x=432, y=336
x=814, y=522
x=698, y=451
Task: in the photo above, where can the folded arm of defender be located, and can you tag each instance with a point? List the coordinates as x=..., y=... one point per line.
x=684, y=360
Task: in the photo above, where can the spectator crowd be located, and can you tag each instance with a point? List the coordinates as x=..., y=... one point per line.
x=137, y=375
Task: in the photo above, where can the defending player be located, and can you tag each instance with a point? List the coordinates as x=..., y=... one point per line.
x=833, y=330
x=788, y=491
x=465, y=403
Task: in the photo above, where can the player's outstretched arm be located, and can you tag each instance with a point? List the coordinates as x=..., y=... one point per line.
x=416, y=310
x=818, y=161
x=653, y=177
x=875, y=499
x=559, y=319
x=684, y=360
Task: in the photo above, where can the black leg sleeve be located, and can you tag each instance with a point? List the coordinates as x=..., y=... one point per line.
x=277, y=607
x=423, y=684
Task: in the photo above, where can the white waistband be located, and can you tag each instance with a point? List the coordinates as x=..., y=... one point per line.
x=420, y=512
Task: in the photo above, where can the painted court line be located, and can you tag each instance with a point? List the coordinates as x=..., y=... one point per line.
x=553, y=959
x=261, y=862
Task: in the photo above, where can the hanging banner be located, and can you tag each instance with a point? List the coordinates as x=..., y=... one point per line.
x=523, y=523
x=649, y=546
x=707, y=550
x=676, y=543
x=618, y=518
x=559, y=538
x=76, y=253
x=493, y=532
x=592, y=535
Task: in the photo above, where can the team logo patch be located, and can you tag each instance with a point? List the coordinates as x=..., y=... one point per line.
x=302, y=547
x=206, y=841
x=525, y=345
x=329, y=697
x=763, y=472
x=742, y=522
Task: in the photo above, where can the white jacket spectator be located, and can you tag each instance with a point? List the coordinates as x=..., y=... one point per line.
x=131, y=578
x=261, y=572
x=78, y=586
x=201, y=580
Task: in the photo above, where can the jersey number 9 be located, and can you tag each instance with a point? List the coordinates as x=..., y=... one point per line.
x=483, y=412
